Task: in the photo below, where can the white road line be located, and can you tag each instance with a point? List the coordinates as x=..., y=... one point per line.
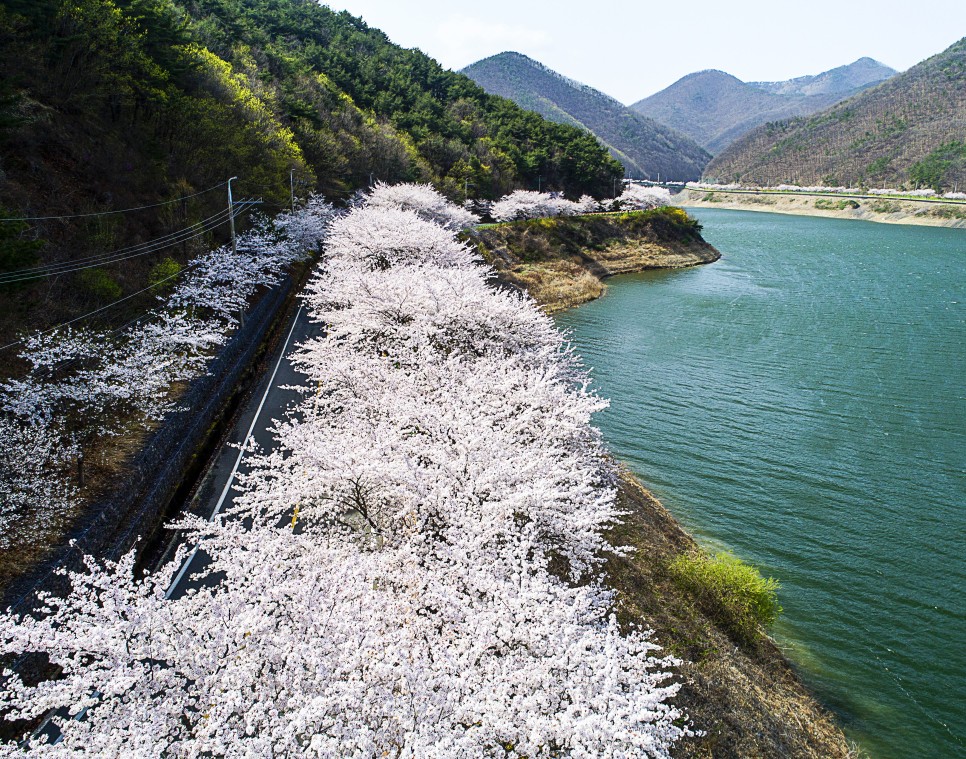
x=241, y=454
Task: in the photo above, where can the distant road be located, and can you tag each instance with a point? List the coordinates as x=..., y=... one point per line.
x=897, y=198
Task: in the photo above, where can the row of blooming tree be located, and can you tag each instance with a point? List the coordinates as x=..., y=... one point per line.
x=84, y=385
x=412, y=571
x=527, y=204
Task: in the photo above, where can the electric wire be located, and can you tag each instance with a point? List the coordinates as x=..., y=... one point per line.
x=97, y=311
x=123, y=210
x=121, y=254
x=129, y=248
x=124, y=254
x=109, y=305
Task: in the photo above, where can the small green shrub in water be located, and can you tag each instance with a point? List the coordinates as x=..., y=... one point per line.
x=732, y=592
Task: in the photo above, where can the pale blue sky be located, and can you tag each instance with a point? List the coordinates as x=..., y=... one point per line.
x=633, y=49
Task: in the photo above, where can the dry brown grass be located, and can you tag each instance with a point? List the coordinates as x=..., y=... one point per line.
x=556, y=285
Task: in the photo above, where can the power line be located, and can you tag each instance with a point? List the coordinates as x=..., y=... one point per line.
x=121, y=254
x=123, y=250
x=111, y=305
x=143, y=249
x=123, y=210
x=99, y=310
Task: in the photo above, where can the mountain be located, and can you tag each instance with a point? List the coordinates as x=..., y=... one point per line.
x=908, y=130
x=119, y=104
x=844, y=80
x=645, y=147
x=715, y=108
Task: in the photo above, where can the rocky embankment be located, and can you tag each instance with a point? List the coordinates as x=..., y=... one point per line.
x=880, y=209
x=562, y=262
x=742, y=696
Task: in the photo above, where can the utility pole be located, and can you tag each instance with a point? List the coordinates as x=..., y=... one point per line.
x=291, y=183
x=539, y=183
x=231, y=218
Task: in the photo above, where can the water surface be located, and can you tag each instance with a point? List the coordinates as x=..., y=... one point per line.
x=801, y=402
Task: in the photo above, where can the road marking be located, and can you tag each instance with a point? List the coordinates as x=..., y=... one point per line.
x=241, y=454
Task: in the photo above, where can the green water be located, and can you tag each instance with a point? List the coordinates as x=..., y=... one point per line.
x=801, y=402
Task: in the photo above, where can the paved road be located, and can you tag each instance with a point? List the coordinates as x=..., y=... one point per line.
x=268, y=402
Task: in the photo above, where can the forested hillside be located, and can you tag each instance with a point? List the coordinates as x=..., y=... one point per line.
x=646, y=148
x=910, y=130
x=115, y=104
x=716, y=108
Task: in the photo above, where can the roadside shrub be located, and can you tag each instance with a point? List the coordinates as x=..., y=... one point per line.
x=163, y=273
x=100, y=284
x=731, y=592
x=886, y=206
x=824, y=204
x=948, y=212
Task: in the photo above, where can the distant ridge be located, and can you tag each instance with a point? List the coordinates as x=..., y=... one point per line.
x=844, y=80
x=716, y=108
x=647, y=149
x=908, y=130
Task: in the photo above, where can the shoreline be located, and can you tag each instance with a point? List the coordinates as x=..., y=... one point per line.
x=744, y=698
x=882, y=210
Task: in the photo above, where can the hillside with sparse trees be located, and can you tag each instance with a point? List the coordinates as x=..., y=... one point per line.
x=120, y=104
x=909, y=131
x=716, y=108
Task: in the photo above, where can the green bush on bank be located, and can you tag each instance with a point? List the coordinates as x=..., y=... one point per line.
x=731, y=592
x=161, y=277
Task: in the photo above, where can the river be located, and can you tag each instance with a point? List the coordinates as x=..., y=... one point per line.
x=801, y=402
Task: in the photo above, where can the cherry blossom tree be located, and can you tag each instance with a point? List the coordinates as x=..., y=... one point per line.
x=84, y=385
x=527, y=204
x=637, y=197
x=412, y=570
x=425, y=200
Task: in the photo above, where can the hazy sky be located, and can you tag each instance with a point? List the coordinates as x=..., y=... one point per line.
x=633, y=49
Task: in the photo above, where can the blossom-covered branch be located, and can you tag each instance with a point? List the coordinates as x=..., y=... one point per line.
x=412, y=570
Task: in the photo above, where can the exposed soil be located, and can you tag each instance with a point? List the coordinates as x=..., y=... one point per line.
x=563, y=262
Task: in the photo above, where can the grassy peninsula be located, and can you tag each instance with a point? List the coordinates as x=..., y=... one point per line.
x=563, y=261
